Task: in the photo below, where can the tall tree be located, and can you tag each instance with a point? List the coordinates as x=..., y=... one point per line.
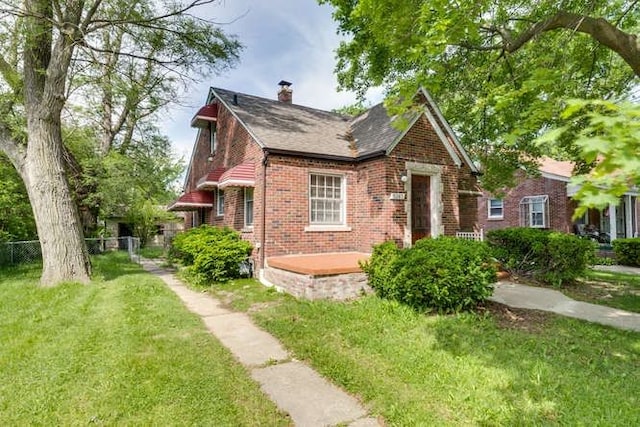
x=46, y=43
x=503, y=70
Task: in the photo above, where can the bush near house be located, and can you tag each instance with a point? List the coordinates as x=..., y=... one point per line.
x=212, y=254
x=627, y=251
x=444, y=274
x=551, y=257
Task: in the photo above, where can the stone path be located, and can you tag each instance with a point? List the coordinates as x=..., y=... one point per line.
x=523, y=296
x=295, y=388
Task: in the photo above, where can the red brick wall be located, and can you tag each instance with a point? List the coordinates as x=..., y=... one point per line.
x=287, y=212
x=560, y=206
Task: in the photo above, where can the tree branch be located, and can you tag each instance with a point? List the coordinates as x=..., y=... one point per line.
x=624, y=44
x=14, y=151
x=10, y=75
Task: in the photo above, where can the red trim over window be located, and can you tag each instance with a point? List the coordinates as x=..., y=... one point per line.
x=205, y=115
x=243, y=175
x=210, y=180
x=193, y=200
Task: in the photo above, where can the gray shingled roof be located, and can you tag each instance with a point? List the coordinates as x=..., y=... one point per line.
x=373, y=132
x=290, y=127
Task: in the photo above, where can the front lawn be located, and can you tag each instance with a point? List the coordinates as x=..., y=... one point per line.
x=497, y=367
x=612, y=289
x=120, y=351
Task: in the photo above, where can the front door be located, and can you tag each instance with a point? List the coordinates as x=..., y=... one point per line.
x=420, y=207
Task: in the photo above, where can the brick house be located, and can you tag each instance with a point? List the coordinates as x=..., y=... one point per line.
x=297, y=180
x=545, y=202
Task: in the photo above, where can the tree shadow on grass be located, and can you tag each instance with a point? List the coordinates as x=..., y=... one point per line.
x=563, y=371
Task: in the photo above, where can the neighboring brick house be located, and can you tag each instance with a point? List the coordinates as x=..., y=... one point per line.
x=545, y=202
x=297, y=180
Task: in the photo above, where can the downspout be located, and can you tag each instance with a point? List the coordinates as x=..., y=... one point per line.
x=263, y=229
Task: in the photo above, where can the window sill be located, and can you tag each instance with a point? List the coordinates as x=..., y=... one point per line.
x=324, y=228
x=495, y=218
x=248, y=229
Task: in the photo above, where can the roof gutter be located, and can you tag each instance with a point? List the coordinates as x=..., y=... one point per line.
x=330, y=157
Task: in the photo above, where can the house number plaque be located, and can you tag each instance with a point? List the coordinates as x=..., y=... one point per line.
x=398, y=196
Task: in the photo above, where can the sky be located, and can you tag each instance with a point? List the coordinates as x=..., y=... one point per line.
x=292, y=40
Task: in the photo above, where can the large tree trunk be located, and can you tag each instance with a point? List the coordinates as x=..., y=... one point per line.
x=64, y=253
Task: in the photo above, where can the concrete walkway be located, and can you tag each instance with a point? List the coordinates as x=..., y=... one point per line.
x=308, y=398
x=522, y=296
x=618, y=269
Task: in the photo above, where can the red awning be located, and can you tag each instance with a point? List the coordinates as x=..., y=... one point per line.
x=204, y=116
x=193, y=200
x=243, y=175
x=210, y=180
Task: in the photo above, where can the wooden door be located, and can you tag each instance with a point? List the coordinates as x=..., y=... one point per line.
x=420, y=207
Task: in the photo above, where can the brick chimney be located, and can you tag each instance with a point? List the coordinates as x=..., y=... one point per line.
x=285, y=94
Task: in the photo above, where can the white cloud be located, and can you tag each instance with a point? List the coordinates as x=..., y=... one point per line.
x=284, y=39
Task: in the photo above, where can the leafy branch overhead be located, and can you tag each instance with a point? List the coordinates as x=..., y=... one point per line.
x=503, y=71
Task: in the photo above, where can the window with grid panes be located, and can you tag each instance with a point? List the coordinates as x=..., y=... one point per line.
x=326, y=199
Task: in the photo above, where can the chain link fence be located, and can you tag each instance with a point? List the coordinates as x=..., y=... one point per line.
x=13, y=253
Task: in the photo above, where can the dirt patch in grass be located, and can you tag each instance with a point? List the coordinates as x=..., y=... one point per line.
x=533, y=321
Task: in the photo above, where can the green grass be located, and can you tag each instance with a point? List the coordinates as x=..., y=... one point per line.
x=612, y=289
x=120, y=351
x=414, y=369
x=152, y=252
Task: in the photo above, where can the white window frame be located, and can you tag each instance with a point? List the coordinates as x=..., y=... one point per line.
x=490, y=207
x=528, y=214
x=219, y=202
x=342, y=200
x=248, y=221
x=213, y=140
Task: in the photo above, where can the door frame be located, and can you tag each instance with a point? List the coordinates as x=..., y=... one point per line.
x=435, y=174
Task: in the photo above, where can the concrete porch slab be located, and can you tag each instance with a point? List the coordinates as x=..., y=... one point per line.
x=327, y=264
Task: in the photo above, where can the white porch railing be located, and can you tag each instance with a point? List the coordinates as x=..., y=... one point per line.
x=471, y=235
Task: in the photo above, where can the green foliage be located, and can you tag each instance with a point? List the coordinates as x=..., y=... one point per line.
x=499, y=101
x=352, y=110
x=607, y=137
x=627, y=251
x=145, y=217
x=380, y=267
x=213, y=254
x=444, y=274
x=551, y=257
x=16, y=216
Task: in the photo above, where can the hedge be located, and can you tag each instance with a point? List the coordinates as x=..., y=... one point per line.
x=548, y=256
x=443, y=274
x=212, y=254
x=627, y=251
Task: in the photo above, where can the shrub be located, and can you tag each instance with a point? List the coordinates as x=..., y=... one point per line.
x=627, y=251
x=213, y=254
x=565, y=258
x=443, y=274
x=517, y=248
x=551, y=257
x=379, y=268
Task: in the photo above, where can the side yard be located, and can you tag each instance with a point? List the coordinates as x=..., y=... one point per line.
x=121, y=351
x=497, y=367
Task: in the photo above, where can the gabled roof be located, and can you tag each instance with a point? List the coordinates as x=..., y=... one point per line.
x=291, y=128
